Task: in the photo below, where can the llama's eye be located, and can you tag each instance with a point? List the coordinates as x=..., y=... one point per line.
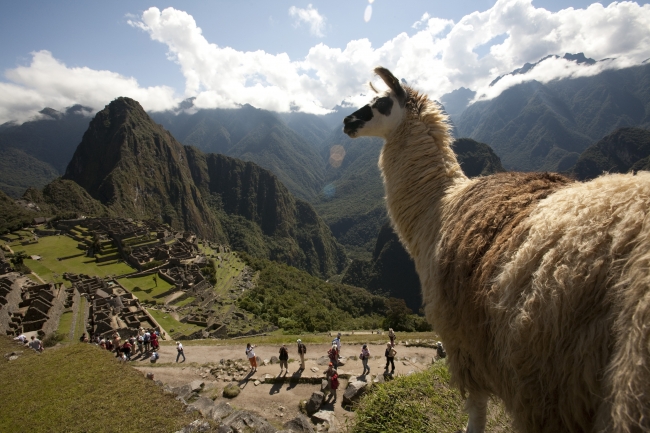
x=383, y=105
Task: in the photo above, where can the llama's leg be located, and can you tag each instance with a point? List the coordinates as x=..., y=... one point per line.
x=476, y=407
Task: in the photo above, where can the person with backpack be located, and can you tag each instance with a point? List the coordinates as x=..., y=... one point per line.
x=302, y=350
x=337, y=342
x=251, y=357
x=333, y=355
x=284, y=359
x=391, y=336
x=179, y=349
x=390, y=357
x=140, y=343
x=154, y=357
x=334, y=385
x=364, y=356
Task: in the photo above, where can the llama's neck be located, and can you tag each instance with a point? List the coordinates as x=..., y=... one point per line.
x=419, y=167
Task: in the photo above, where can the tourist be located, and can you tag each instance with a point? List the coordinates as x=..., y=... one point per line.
x=154, y=341
x=102, y=343
x=126, y=350
x=302, y=350
x=284, y=359
x=328, y=376
x=109, y=345
x=116, y=343
x=132, y=341
x=337, y=342
x=140, y=343
x=179, y=349
x=334, y=385
x=365, y=355
x=391, y=336
x=333, y=355
x=251, y=357
x=36, y=344
x=154, y=357
x=147, y=341
x=83, y=338
x=22, y=339
x=390, y=357
x=440, y=351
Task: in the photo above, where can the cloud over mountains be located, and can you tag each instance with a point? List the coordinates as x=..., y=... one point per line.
x=436, y=56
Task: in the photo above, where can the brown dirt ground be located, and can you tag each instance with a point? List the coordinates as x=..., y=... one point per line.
x=278, y=402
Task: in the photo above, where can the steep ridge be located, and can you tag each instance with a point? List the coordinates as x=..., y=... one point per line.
x=65, y=198
x=261, y=216
x=626, y=149
x=136, y=168
x=535, y=126
x=255, y=135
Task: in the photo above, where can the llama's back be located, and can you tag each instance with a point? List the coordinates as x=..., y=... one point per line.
x=553, y=285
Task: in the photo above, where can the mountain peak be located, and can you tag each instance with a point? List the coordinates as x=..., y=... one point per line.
x=578, y=58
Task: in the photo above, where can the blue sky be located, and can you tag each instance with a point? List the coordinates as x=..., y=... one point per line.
x=228, y=53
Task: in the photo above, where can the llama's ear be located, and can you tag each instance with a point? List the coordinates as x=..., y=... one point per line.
x=392, y=83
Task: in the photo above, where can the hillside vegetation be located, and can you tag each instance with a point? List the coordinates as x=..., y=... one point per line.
x=80, y=388
x=626, y=149
x=421, y=402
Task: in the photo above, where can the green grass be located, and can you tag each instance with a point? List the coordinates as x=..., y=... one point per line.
x=421, y=402
x=147, y=288
x=279, y=337
x=185, y=301
x=52, y=247
x=79, y=327
x=168, y=323
x=80, y=388
x=64, y=325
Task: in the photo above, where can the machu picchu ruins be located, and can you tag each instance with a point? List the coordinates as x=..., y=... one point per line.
x=184, y=265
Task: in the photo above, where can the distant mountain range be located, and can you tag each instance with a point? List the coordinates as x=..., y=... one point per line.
x=534, y=126
x=531, y=126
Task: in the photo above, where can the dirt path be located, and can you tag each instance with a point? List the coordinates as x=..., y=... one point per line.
x=277, y=402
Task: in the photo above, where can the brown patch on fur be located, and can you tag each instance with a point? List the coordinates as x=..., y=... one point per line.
x=489, y=212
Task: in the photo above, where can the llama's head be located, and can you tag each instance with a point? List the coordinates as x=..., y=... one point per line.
x=383, y=114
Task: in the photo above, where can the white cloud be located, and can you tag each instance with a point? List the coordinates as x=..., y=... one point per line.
x=438, y=57
x=311, y=17
x=47, y=82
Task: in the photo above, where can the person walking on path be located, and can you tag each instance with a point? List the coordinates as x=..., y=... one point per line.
x=251, y=357
x=179, y=349
x=391, y=336
x=333, y=355
x=365, y=356
x=334, y=385
x=390, y=357
x=302, y=350
x=440, y=351
x=337, y=342
x=284, y=359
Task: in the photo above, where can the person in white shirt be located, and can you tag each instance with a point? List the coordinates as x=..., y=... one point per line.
x=251, y=356
x=179, y=348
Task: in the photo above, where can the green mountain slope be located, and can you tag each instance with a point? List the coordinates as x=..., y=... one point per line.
x=65, y=198
x=534, y=126
x=621, y=151
x=19, y=171
x=136, y=168
x=12, y=215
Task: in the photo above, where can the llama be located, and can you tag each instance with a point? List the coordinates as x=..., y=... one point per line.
x=538, y=285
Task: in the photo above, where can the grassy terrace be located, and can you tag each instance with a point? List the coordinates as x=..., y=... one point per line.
x=168, y=323
x=79, y=388
x=145, y=288
x=52, y=247
x=64, y=326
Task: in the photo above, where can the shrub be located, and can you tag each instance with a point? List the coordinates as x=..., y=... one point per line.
x=53, y=338
x=231, y=391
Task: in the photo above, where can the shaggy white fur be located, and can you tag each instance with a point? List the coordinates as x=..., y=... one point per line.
x=539, y=286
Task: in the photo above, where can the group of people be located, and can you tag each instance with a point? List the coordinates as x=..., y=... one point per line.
x=34, y=343
x=146, y=342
